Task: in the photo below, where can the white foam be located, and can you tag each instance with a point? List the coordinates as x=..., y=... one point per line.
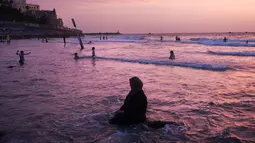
x=173, y=130
x=168, y=63
x=233, y=53
x=144, y=39
x=220, y=42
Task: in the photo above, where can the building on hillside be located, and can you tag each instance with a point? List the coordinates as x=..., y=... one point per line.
x=47, y=17
x=59, y=23
x=23, y=6
x=44, y=17
x=28, y=7
x=32, y=7
x=19, y=4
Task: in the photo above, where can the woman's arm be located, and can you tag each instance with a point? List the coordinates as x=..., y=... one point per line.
x=17, y=53
x=27, y=53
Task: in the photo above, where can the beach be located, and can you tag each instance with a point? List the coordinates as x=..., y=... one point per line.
x=209, y=87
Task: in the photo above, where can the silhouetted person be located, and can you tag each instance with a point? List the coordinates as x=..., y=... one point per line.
x=100, y=38
x=22, y=56
x=225, y=39
x=247, y=42
x=106, y=38
x=135, y=105
x=8, y=39
x=93, y=52
x=177, y=38
x=76, y=57
x=172, y=56
x=103, y=37
x=64, y=38
x=161, y=38
x=46, y=40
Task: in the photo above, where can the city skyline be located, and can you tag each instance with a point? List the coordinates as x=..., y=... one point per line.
x=155, y=16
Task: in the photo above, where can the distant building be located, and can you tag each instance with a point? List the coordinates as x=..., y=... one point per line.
x=19, y=4
x=23, y=6
x=46, y=13
x=45, y=17
x=49, y=16
x=32, y=7
x=60, y=23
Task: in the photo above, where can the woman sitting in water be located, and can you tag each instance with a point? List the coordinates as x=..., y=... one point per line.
x=21, y=56
x=135, y=105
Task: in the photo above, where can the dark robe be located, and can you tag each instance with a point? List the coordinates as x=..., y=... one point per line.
x=134, y=109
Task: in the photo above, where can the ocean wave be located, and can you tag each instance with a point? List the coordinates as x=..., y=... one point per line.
x=168, y=63
x=233, y=53
x=131, y=37
x=144, y=39
x=220, y=42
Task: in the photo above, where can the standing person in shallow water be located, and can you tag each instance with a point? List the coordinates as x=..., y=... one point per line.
x=22, y=56
x=76, y=57
x=93, y=52
x=135, y=105
x=64, y=38
x=8, y=39
x=172, y=56
x=225, y=39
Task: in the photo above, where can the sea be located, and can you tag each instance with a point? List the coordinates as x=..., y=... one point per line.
x=209, y=88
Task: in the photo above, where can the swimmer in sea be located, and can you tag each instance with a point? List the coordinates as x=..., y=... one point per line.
x=8, y=39
x=177, y=38
x=22, y=56
x=76, y=57
x=172, y=56
x=64, y=38
x=93, y=52
x=225, y=39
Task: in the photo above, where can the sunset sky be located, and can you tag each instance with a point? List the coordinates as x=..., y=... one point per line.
x=155, y=16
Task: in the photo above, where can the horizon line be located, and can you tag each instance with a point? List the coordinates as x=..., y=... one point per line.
x=246, y=32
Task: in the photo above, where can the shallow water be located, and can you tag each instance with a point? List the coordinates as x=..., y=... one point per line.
x=53, y=98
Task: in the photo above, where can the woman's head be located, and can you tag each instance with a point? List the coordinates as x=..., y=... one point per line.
x=135, y=83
